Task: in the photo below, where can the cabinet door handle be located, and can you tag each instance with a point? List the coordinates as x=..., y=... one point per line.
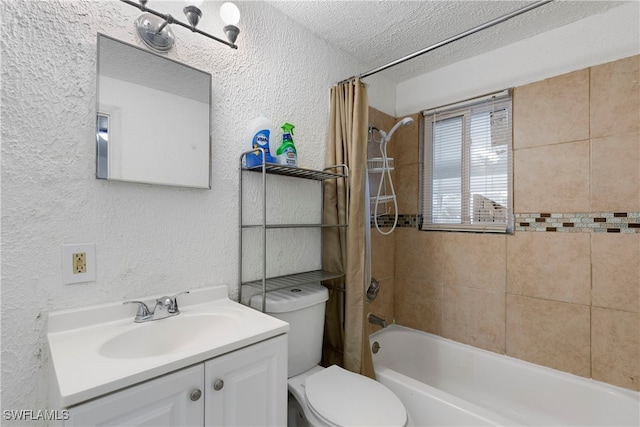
x=217, y=386
x=195, y=395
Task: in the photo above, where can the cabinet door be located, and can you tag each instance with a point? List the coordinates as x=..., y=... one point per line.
x=248, y=387
x=165, y=401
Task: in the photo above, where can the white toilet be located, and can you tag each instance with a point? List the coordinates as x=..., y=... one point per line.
x=325, y=396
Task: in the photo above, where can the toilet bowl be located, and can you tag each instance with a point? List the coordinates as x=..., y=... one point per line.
x=329, y=396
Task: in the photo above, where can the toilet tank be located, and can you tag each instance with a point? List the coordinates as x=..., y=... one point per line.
x=303, y=308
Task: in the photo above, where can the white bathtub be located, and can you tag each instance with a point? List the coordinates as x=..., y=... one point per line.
x=445, y=383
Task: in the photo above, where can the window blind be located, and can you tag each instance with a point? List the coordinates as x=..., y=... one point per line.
x=467, y=173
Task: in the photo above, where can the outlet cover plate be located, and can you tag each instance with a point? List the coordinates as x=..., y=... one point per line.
x=68, y=276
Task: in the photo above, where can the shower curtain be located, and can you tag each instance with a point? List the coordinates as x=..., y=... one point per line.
x=343, y=249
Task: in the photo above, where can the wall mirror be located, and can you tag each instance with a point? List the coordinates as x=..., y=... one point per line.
x=153, y=118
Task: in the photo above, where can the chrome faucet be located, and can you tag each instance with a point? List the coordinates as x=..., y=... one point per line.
x=372, y=318
x=165, y=307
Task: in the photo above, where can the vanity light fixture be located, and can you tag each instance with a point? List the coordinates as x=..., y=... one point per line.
x=154, y=29
x=230, y=15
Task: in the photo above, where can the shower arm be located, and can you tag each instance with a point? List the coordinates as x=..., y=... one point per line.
x=405, y=121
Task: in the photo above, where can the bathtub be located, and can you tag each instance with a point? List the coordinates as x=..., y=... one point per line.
x=445, y=383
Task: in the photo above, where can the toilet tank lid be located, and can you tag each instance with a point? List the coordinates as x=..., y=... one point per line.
x=291, y=299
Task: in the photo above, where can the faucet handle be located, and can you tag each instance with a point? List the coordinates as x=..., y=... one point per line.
x=143, y=311
x=173, y=307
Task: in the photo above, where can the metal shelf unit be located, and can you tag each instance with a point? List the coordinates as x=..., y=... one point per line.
x=275, y=283
x=268, y=284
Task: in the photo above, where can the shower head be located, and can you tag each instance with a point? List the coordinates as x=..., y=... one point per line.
x=407, y=121
x=404, y=122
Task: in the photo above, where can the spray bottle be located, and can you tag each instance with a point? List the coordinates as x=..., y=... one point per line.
x=286, y=153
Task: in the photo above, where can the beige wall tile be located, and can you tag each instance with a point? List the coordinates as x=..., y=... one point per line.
x=383, y=248
x=418, y=304
x=474, y=317
x=615, y=173
x=552, y=111
x=382, y=121
x=553, y=178
x=616, y=347
x=549, y=333
x=475, y=261
x=379, y=119
x=615, y=97
x=419, y=254
x=555, y=266
x=615, y=270
x=449, y=283
x=406, y=141
x=407, y=188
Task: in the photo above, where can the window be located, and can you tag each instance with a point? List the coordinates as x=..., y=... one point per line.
x=467, y=173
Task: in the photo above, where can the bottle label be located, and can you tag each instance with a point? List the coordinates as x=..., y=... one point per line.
x=260, y=140
x=290, y=157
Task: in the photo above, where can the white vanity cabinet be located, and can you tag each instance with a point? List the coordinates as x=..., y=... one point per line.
x=161, y=402
x=244, y=387
x=248, y=387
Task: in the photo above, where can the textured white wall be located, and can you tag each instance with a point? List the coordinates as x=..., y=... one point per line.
x=594, y=40
x=150, y=240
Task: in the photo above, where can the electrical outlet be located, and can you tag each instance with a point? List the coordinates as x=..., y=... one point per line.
x=78, y=263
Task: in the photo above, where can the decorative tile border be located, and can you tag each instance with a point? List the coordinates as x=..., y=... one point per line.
x=404, y=221
x=594, y=222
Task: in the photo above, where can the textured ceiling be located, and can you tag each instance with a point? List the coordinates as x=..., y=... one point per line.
x=378, y=32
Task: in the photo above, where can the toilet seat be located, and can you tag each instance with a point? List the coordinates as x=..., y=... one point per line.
x=343, y=398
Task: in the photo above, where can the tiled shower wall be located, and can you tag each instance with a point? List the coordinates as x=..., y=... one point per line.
x=559, y=295
x=383, y=247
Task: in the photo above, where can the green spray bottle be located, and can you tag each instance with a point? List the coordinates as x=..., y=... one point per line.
x=286, y=153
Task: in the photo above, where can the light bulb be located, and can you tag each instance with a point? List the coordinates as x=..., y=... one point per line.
x=230, y=13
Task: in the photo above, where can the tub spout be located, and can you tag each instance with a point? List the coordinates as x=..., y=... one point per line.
x=372, y=318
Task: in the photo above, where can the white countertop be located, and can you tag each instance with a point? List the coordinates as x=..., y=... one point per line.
x=81, y=372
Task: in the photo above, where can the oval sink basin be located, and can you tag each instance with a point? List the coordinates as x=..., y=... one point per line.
x=177, y=333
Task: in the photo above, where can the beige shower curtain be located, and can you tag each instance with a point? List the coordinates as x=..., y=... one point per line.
x=343, y=249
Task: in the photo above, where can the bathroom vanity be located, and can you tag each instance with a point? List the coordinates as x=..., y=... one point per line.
x=217, y=363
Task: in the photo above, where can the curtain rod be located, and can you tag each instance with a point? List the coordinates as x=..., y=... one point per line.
x=450, y=40
x=466, y=102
